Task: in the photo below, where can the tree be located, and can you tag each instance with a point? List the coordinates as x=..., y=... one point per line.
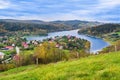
x=117, y=45
x=46, y=52
x=87, y=46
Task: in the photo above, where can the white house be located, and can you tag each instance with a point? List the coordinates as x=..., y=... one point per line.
x=1, y=55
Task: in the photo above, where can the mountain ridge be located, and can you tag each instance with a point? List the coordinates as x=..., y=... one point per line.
x=41, y=27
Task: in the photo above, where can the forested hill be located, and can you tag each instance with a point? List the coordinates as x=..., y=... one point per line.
x=78, y=23
x=101, y=29
x=29, y=27
x=35, y=27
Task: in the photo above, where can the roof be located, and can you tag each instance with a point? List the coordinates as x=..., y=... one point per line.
x=9, y=47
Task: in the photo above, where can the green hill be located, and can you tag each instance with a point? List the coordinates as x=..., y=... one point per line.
x=38, y=27
x=98, y=67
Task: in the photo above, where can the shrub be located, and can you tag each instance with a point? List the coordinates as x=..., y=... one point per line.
x=4, y=67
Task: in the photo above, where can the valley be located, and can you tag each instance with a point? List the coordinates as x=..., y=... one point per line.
x=58, y=50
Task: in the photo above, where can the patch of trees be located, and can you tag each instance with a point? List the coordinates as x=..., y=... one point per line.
x=72, y=42
x=101, y=29
x=47, y=52
x=112, y=48
x=29, y=28
x=112, y=36
x=61, y=48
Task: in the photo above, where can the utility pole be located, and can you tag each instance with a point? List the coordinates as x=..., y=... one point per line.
x=115, y=48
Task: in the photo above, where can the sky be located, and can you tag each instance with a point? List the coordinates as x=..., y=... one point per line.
x=50, y=10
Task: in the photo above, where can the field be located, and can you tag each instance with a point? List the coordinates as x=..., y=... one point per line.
x=98, y=67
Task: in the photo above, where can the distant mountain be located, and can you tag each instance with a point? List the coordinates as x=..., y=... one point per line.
x=22, y=21
x=71, y=23
x=11, y=26
x=78, y=23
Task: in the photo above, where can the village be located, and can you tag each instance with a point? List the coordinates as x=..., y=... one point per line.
x=11, y=47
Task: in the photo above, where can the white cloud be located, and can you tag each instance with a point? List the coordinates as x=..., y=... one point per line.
x=70, y=9
x=103, y=6
x=4, y=4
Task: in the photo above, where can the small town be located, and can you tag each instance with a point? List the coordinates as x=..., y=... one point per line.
x=9, y=50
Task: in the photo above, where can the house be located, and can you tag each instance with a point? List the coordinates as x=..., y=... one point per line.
x=24, y=44
x=61, y=47
x=2, y=55
x=57, y=45
x=9, y=47
x=13, y=45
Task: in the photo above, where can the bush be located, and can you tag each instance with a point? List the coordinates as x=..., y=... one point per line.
x=27, y=59
x=47, y=52
x=23, y=59
x=4, y=67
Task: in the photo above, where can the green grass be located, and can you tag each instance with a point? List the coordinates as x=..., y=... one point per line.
x=98, y=67
x=7, y=52
x=118, y=33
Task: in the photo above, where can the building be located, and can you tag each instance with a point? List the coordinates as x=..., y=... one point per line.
x=25, y=45
x=2, y=55
x=9, y=47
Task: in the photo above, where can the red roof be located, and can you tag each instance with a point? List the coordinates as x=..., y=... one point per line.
x=9, y=47
x=24, y=44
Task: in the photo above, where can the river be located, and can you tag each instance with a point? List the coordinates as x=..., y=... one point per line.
x=97, y=44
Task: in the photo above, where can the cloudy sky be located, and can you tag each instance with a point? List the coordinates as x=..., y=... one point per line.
x=49, y=10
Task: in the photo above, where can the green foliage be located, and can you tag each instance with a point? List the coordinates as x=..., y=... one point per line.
x=50, y=50
x=27, y=59
x=22, y=28
x=4, y=67
x=71, y=43
x=24, y=58
x=31, y=27
x=112, y=48
x=47, y=52
x=99, y=67
x=8, y=52
x=2, y=45
x=118, y=33
x=100, y=30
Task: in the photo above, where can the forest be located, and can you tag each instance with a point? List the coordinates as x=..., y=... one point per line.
x=37, y=27
x=101, y=29
x=108, y=31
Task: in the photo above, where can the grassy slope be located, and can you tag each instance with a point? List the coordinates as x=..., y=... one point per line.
x=99, y=67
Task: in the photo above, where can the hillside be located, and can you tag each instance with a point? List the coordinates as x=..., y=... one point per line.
x=99, y=67
x=101, y=29
x=108, y=31
x=78, y=23
x=38, y=27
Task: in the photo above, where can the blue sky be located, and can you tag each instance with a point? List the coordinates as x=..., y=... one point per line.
x=49, y=10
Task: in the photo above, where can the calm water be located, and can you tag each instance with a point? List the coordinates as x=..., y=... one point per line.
x=97, y=44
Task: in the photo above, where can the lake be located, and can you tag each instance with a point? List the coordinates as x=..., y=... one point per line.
x=97, y=44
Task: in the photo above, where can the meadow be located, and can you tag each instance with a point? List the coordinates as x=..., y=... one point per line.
x=97, y=67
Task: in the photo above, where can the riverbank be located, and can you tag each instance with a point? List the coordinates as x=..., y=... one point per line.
x=96, y=43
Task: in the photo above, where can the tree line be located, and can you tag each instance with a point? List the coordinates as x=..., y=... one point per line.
x=29, y=28
x=101, y=29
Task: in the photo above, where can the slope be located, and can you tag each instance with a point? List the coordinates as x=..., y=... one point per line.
x=99, y=67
